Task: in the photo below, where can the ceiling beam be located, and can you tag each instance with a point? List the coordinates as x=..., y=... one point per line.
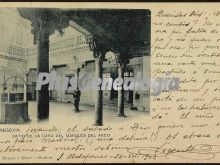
x=79, y=28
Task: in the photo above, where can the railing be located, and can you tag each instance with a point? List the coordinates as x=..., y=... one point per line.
x=70, y=42
x=65, y=43
x=11, y=50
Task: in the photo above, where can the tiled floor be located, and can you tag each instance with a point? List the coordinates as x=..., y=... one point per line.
x=61, y=112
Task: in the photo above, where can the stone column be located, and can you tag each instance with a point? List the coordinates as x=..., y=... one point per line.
x=99, y=52
x=122, y=61
x=98, y=93
x=42, y=40
x=121, y=92
x=77, y=72
x=77, y=75
x=25, y=87
x=8, y=96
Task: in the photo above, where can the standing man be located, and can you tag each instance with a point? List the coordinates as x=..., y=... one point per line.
x=76, y=99
x=76, y=94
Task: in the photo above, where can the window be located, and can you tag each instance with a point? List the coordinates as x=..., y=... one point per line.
x=128, y=74
x=106, y=75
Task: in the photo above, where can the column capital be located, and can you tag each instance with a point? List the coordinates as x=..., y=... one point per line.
x=37, y=24
x=41, y=29
x=27, y=74
x=97, y=46
x=77, y=70
x=122, y=59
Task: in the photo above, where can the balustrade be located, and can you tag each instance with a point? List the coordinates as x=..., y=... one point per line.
x=70, y=42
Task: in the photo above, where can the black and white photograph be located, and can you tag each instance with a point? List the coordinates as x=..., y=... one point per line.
x=87, y=45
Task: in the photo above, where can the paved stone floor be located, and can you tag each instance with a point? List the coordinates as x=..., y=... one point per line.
x=61, y=112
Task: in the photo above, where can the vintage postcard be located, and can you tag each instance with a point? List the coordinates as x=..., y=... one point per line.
x=109, y=82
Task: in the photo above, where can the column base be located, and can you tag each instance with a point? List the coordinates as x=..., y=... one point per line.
x=43, y=120
x=97, y=124
x=121, y=115
x=43, y=117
